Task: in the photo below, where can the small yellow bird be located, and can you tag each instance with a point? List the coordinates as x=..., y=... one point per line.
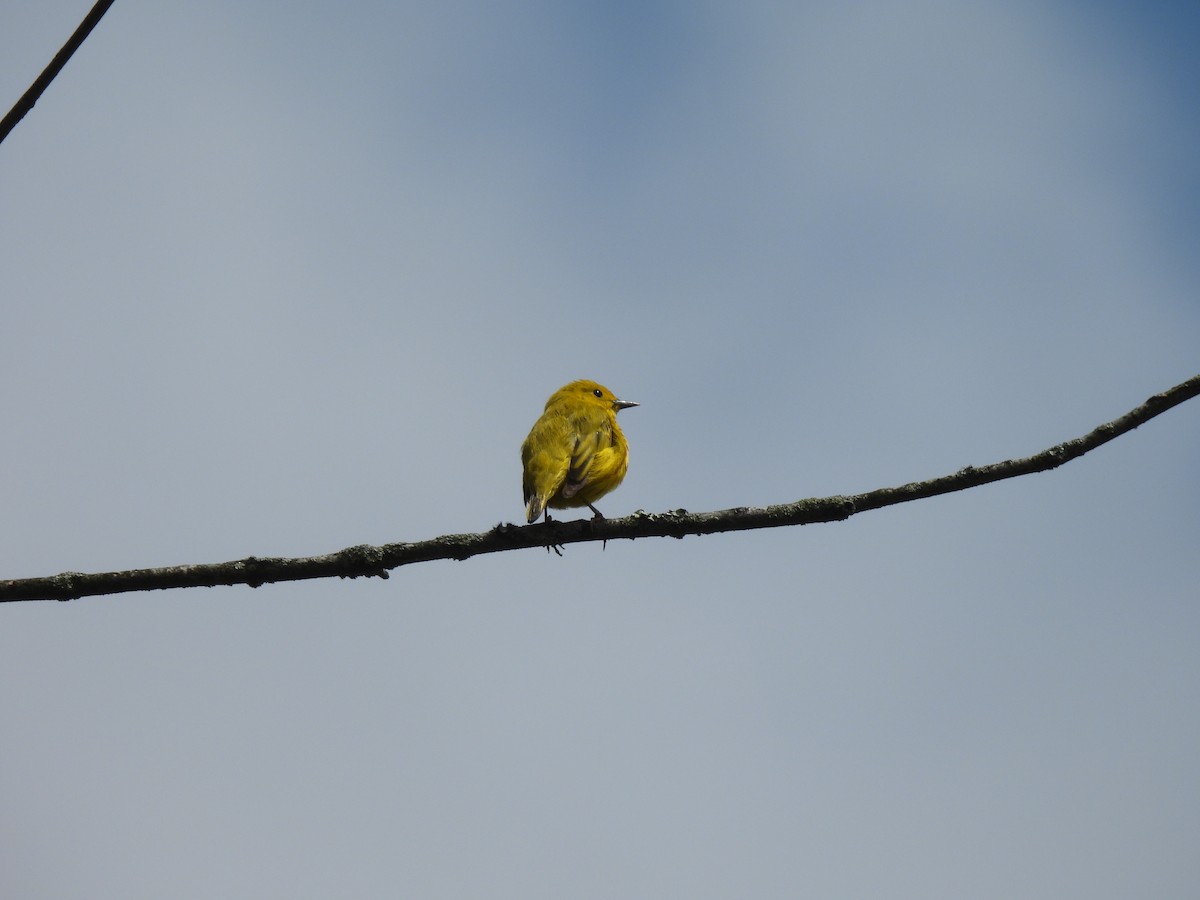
x=575, y=453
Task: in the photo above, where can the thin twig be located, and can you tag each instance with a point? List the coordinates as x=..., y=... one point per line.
x=371, y=561
x=30, y=97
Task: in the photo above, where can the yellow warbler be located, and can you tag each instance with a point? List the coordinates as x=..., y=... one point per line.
x=575, y=453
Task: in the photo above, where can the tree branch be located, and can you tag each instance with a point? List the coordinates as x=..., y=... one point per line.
x=371, y=561
x=30, y=97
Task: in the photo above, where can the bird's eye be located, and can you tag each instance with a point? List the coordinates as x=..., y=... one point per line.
x=598, y=392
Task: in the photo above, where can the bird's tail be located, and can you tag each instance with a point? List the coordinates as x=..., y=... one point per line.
x=537, y=505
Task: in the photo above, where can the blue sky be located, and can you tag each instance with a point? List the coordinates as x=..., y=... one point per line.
x=288, y=278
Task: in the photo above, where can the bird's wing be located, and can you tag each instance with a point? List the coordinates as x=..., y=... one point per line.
x=582, y=455
x=546, y=457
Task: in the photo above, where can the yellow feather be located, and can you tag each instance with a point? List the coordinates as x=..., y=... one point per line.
x=575, y=453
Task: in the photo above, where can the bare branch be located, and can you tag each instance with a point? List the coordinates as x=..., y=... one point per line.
x=371, y=561
x=30, y=97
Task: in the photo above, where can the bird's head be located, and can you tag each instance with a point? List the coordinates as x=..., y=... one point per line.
x=591, y=393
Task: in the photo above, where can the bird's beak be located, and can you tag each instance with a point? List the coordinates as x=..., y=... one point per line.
x=624, y=404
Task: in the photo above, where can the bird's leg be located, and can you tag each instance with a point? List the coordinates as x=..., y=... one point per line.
x=555, y=547
x=596, y=514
